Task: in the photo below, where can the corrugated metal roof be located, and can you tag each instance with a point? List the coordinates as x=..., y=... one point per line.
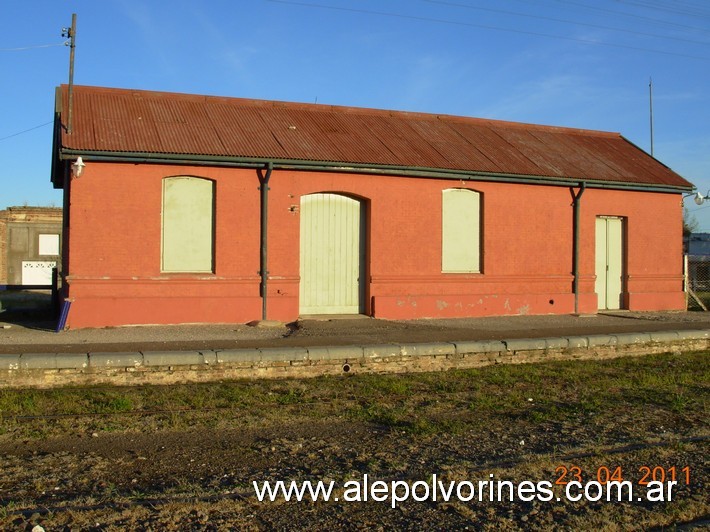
x=131, y=121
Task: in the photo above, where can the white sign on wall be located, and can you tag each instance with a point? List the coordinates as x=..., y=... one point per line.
x=49, y=245
x=37, y=272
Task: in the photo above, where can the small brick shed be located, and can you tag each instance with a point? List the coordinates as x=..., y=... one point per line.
x=202, y=209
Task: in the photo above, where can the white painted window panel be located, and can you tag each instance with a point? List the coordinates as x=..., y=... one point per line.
x=49, y=244
x=461, y=231
x=188, y=222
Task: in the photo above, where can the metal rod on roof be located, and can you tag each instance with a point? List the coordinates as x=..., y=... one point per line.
x=71, y=34
x=650, y=104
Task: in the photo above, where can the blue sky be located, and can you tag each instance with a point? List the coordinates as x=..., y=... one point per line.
x=577, y=63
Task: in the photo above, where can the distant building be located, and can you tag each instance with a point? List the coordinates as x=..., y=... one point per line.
x=30, y=245
x=187, y=208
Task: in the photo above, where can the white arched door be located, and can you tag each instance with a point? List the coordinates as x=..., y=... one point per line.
x=331, y=250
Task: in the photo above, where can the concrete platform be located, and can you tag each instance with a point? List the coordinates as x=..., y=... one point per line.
x=26, y=336
x=199, y=353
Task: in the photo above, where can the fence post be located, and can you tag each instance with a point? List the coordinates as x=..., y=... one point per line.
x=55, y=292
x=685, y=279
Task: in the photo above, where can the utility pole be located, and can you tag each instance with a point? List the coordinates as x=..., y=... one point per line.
x=71, y=43
x=650, y=103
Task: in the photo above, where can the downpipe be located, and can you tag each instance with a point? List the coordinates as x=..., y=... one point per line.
x=263, y=238
x=577, y=208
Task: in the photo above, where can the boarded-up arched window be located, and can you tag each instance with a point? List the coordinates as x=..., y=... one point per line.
x=461, y=231
x=188, y=225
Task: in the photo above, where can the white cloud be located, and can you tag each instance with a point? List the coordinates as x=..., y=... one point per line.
x=427, y=78
x=690, y=157
x=563, y=98
x=153, y=30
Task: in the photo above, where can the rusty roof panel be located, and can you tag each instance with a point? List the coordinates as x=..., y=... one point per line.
x=243, y=132
x=299, y=134
x=456, y=151
x=542, y=155
x=394, y=150
x=347, y=133
x=634, y=165
x=131, y=121
x=596, y=152
x=582, y=148
x=504, y=157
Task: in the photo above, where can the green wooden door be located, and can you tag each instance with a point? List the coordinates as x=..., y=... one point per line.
x=331, y=255
x=609, y=262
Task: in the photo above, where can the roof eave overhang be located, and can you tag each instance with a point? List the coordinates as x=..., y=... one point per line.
x=359, y=168
x=58, y=169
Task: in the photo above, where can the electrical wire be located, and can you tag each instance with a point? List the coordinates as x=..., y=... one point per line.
x=487, y=27
x=22, y=48
x=673, y=10
x=691, y=211
x=26, y=130
x=632, y=16
x=564, y=21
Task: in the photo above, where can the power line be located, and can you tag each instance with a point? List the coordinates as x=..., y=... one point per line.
x=564, y=21
x=674, y=10
x=698, y=209
x=695, y=6
x=22, y=48
x=26, y=130
x=487, y=27
x=630, y=15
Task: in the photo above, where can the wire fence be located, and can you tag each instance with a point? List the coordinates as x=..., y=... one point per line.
x=698, y=282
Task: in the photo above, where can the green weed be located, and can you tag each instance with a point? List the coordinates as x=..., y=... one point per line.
x=389, y=384
x=538, y=393
x=680, y=402
x=290, y=397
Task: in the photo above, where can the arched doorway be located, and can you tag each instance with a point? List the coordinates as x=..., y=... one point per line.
x=331, y=255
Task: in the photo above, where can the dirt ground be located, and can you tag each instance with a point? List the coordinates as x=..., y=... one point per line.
x=202, y=479
x=194, y=470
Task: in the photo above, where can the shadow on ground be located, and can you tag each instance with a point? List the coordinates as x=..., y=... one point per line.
x=30, y=309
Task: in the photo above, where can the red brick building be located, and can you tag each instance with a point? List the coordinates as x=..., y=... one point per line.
x=205, y=209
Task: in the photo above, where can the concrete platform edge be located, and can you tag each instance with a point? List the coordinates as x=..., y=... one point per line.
x=32, y=369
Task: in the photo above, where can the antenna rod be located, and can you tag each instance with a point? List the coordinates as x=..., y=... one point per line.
x=71, y=33
x=650, y=103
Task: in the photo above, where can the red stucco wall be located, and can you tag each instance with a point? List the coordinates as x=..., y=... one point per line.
x=654, y=245
x=114, y=273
